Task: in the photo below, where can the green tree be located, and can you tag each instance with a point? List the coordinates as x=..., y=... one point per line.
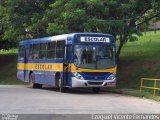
x=21, y=19
x=120, y=18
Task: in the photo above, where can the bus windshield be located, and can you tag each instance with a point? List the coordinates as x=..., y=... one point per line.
x=94, y=56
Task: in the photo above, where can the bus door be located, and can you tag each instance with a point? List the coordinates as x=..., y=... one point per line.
x=66, y=66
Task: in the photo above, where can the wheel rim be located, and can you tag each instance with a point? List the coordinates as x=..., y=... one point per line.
x=31, y=81
x=59, y=83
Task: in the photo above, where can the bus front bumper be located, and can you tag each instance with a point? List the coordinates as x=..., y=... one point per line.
x=93, y=83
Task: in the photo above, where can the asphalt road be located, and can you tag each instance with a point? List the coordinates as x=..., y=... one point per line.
x=23, y=100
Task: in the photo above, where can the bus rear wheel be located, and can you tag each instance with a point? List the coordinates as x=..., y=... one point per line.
x=96, y=89
x=32, y=83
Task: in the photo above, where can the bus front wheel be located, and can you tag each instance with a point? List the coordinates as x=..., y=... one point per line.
x=32, y=83
x=96, y=89
x=60, y=85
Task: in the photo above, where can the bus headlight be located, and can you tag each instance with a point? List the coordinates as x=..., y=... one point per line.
x=111, y=77
x=78, y=76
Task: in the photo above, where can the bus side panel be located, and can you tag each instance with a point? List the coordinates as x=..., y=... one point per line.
x=69, y=80
x=27, y=76
x=20, y=70
x=23, y=72
x=45, y=77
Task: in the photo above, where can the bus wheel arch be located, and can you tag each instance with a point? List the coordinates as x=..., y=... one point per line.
x=32, y=83
x=30, y=73
x=57, y=77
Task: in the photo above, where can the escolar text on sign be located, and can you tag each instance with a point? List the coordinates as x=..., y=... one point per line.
x=94, y=39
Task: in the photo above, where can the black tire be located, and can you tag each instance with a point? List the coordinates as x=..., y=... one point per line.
x=60, y=85
x=96, y=89
x=32, y=83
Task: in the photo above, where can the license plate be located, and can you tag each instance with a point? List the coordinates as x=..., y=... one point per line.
x=111, y=84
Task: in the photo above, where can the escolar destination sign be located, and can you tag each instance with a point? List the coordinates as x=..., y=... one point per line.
x=94, y=39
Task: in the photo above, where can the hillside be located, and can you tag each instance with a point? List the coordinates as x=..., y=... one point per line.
x=8, y=70
x=130, y=72
x=138, y=59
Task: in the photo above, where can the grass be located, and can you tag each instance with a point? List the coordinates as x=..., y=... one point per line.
x=147, y=47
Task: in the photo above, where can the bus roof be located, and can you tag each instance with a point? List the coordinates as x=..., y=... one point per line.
x=60, y=37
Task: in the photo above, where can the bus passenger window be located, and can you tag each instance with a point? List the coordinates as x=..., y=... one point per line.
x=35, y=54
x=43, y=51
x=31, y=52
x=60, y=49
x=21, y=52
x=51, y=50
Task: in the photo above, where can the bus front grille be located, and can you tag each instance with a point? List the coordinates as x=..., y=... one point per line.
x=95, y=83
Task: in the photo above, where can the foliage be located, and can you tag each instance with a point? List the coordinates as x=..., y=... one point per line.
x=21, y=19
x=120, y=18
x=8, y=52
